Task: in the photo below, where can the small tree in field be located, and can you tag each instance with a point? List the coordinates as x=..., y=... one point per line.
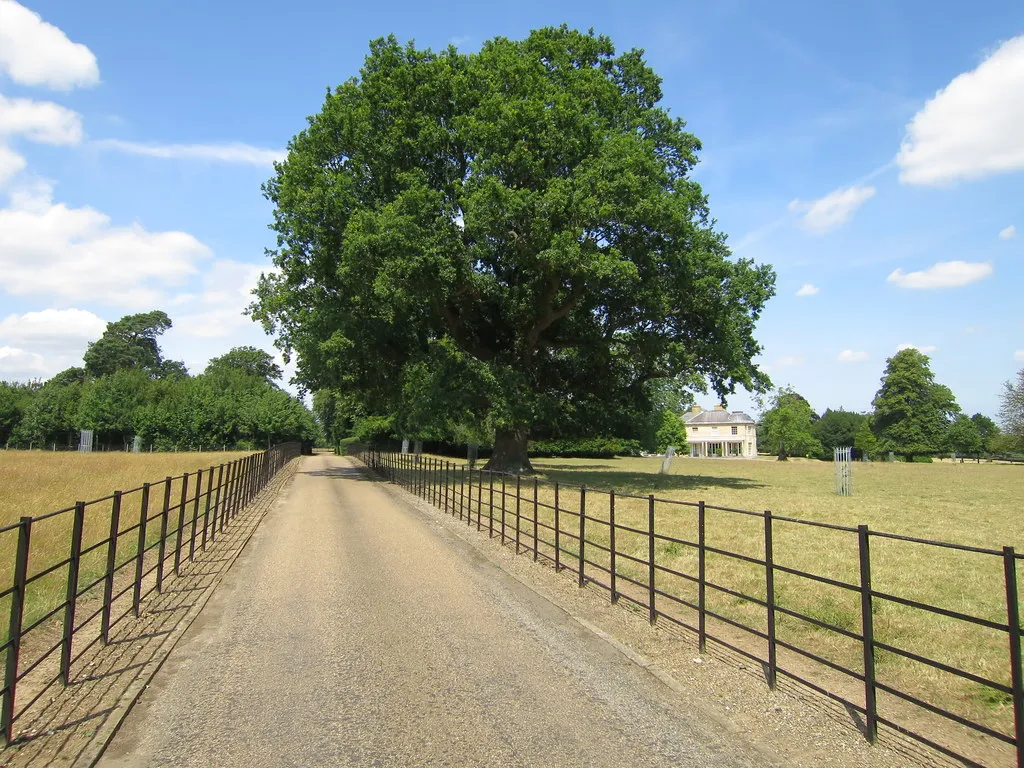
x=912, y=412
x=964, y=438
x=509, y=238
x=788, y=426
x=1011, y=412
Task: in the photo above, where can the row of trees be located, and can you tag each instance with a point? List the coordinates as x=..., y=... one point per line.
x=126, y=389
x=912, y=416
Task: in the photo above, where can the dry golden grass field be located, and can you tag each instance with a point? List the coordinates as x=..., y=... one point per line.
x=35, y=483
x=972, y=504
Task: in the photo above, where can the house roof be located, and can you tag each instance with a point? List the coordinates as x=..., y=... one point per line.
x=717, y=417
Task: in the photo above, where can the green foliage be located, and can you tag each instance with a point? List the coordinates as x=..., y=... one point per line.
x=987, y=430
x=15, y=400
x=249, y=360
x=586, y=448
x=964, y=437
x=865, y=441
x=130, y=342
x=912, y=412
x=838, y=429
x=671, y=432
x=788, y=426
x=51, y=415
x=520, y=218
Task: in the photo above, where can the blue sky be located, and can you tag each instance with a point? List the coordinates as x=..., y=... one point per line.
x=872, y=152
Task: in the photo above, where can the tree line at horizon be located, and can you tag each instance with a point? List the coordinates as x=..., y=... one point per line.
x=912, y=417
x=126, y=389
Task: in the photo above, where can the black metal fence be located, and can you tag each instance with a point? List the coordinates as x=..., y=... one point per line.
x=576, y=530
x=119, y=549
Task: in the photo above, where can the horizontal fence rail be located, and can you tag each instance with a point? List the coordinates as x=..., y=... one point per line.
x=120, y=549
x=584, y=531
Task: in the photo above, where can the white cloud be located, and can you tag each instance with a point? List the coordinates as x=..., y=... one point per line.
x=1009, y=233
x=76, y=254
x=925, y=350
x=849, y=356
x=18, y=364
x=33, y=52
x=217, y=311
x=1019, y=354
x=833, y=210
x=787, y=361
x=972, y=127
x=11, y=164
x=41, y=121
x=807, y=289
x=945, y=274
x=55, y=329
x=233, y=152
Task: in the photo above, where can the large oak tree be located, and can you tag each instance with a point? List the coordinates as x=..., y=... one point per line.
x=507, y=239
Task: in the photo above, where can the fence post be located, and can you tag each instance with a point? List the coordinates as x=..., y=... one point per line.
x=650, y=555
x=870, y=702
x=14, y=628
x=462, y=490
x=446, y=471
x=769, y=572
x=611, y=545
x=702, y=613
x=108, y=581
x=479, y=497
x=503, y=509
x=206, y=506
x=519, y=489
x=71, y=600
x=162, y=548
x=490, y=506
x=583, y=529
x=1016, y=671
x=216, y=503
x=195, y=516
x=558, y=540
x=141, y=551
x=181, y=524
x=535, y=553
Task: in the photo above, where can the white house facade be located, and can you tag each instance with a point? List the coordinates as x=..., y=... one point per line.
x=719, y=432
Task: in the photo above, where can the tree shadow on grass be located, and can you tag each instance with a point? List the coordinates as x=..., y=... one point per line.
x=640, y=483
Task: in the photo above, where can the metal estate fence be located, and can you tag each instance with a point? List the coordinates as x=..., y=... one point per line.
x=106, y=556
x=856, y=628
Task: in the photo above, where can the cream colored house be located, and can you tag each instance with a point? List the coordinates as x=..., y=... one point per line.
x=720, y=433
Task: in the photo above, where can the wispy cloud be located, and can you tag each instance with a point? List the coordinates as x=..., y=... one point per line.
x=833, y=210
x=945, y=274
x=1009, y=233
x=849, y=356
x=233, y=152
x=808, y=289
x=1018, y=355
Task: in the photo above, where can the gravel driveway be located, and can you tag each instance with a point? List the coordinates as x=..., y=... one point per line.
x=355, y=631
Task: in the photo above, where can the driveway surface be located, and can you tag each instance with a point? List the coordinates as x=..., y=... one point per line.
x=355, y=630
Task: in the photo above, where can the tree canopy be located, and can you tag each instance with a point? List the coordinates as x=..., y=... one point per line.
x=1011, y=411
x=504, y=240
x=130, y=342
x=912, y=412
x=788, y=426
x=838, y=429
x=249, y=360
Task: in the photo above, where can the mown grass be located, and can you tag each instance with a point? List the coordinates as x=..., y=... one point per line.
x=972, y=504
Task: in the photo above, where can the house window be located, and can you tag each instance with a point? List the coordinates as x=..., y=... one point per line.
x=714, y=430
x=694, y=429
x=735, y=430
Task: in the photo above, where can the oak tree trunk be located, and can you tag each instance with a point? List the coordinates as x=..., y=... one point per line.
x=509, y=453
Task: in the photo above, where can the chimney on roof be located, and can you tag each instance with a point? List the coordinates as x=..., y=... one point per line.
x=695, y=409
x=719, y=407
